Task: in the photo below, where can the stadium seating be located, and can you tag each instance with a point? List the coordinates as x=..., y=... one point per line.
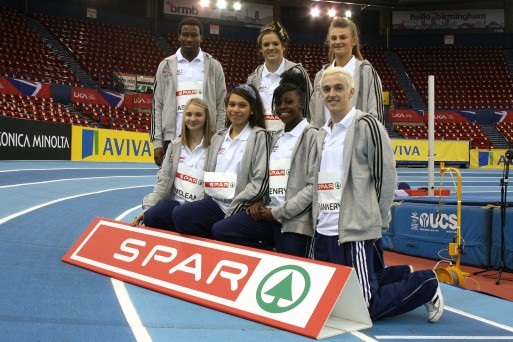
x=447, y=131
x=24, y=55
x=114, y=117
x=465, y=77
x=506, y=129
x=36, y=108
x=101, y=48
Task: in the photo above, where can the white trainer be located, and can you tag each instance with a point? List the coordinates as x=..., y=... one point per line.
x=435, y=307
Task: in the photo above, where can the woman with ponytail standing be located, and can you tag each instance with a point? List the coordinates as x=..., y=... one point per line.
x=344, y=52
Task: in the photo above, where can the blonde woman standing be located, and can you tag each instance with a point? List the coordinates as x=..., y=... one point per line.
x=344, y=51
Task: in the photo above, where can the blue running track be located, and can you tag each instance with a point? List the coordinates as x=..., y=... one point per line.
x=47, y=205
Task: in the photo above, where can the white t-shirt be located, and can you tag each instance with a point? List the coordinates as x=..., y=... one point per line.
x=269, y=82
x=229, y=157
x=192, y=159
x=282, y=151
x=189, y=79
x=332, y=163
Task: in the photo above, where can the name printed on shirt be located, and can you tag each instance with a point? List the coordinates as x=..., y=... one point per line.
x=188, y=196
x=279, y=170
x=330, y=191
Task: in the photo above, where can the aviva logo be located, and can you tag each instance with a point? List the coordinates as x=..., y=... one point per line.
x=485, y=158
x=90, y=143
x=112, y=145
x=488, y=158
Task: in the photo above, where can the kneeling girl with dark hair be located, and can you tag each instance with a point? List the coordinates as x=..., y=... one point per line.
x=286, y=217
x=236, y=167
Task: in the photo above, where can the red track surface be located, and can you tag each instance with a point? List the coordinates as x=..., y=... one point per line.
x=485, y=282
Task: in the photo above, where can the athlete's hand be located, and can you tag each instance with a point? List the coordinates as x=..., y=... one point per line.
x=158, y=155
x=253, y=210
x=138, y=219
x=266, y=214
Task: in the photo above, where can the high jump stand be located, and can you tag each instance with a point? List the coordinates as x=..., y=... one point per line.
x=453, y=274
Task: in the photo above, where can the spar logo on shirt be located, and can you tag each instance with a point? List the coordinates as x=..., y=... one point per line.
x=328, y=186
x=188, y=178
x=182, y=159
x=188, y=92
x=221, y=151
x=220, y=185
x=281, y=172
x=272, y=117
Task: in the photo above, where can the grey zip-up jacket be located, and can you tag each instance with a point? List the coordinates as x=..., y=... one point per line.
x=163, y=112
x=164, y=189
x=253, y=180
x=368, y=93
x=368, y=183
x=255, y=79
x=296, y=211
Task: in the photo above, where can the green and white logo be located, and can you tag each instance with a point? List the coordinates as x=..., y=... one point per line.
x=283, y=289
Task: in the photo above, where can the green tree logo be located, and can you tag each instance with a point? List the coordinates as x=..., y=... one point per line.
x=282, y=291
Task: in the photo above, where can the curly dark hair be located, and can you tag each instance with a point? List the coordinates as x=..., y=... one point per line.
x=191, y=22
x=295, y=79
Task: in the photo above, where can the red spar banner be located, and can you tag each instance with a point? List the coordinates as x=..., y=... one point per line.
x=303, y=296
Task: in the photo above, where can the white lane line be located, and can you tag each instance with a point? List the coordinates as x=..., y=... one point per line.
x=480, y=319
x=71, y=179
x=363, y=337
x=129, y=310
x=417, y=337
x=19, y=213
x=462, y=313
x=132, y=317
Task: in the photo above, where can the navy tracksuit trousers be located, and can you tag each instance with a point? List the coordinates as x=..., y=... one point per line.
x=197, y=218
x=204, y=218
x=396, y=292
x=161, y=215
x=242, y=229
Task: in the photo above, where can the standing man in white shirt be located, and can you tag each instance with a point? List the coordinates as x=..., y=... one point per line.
x=188, y=73
x=355, y=180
